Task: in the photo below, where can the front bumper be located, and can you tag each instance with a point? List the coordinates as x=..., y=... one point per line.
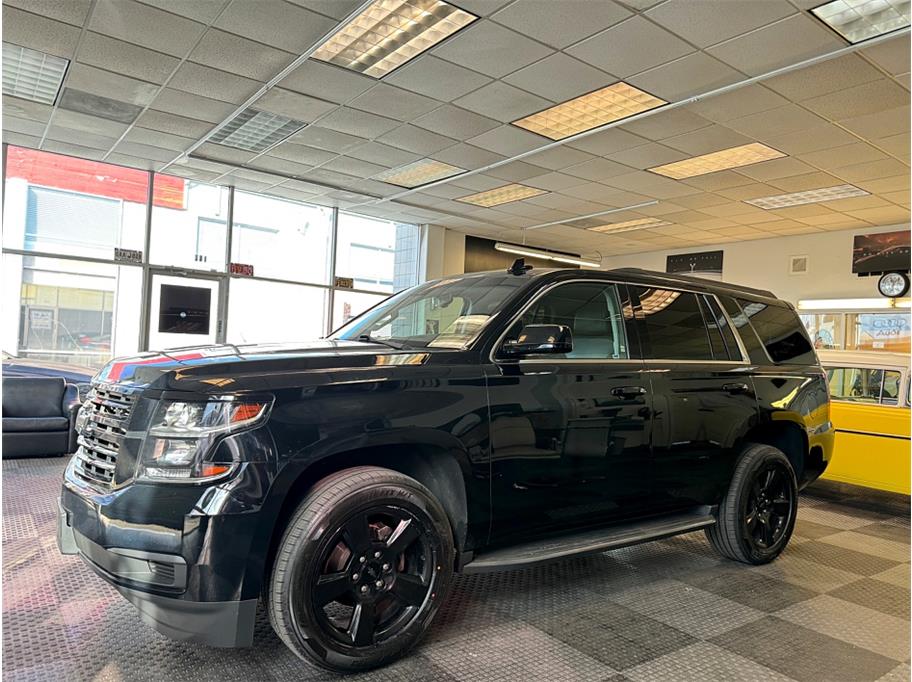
x=134, y=572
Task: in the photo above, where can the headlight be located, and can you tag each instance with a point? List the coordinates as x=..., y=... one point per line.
x=181, y=439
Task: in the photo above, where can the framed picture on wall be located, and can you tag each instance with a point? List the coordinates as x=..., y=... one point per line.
x=874, y=254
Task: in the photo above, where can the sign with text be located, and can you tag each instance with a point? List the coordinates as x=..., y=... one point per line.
x=703, y=262
x=344, y=283
x=127, y=255
x=240, y=269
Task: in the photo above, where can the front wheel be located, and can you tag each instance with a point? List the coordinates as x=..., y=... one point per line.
x=757, y=516
x=361, y=570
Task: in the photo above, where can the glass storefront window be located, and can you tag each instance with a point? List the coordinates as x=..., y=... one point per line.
x=281, y=239
x=349, y=304
x=189, y=224
x=61, y=204
x=379, y=255
x=71, y=312
x=263, y=312
x=879, y=331
x=825, y=329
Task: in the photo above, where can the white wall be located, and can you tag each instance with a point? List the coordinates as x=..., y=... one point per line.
x=443, y=252
x=764, y=264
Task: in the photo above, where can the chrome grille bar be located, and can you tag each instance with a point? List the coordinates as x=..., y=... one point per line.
x=102, y=433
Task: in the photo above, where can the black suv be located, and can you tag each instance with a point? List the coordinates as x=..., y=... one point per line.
x=481, y=422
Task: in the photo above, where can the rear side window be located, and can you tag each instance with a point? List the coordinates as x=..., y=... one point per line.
x=674, y=325
x=728, y=336
x=781, y=332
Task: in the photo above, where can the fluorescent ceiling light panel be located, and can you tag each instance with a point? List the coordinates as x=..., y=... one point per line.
x=858, y=20
x=502, y=195
x=31, y=74
x=841, y=304
x=418, y=173
x=630, y=225
x=388, y=33
x=734, y=157
x=811, y=196
x=255, y=130
x=545, y=255
x=590, y=111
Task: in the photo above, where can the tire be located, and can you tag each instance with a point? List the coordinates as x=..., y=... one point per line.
x=757, y=516
x=361, y=570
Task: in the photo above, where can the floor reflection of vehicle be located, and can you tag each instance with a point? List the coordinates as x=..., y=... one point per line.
x=870, y=410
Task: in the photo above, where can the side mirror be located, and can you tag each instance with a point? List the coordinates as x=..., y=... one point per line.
x=536, y=339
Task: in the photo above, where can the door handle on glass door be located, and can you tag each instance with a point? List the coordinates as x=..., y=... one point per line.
x=628, y=391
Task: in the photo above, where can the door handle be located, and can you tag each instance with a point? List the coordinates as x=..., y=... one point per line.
x=736, y=387
x=628, y=391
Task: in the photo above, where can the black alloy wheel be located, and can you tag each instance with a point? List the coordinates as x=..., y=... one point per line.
x=377, y=570
x=770, y=505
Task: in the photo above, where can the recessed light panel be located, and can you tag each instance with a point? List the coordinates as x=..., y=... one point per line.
x=590, y=111
x=630, y=225
x=734, y=157
x=811, y=196
x=388, y=33
x=502, y=195
x=858, y=20
x=255, y=130
x=418, y=173
x=31, y=74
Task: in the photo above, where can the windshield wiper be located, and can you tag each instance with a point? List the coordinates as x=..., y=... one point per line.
x=367, y=338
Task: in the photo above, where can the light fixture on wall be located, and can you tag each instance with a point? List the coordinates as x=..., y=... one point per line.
x=545, y=255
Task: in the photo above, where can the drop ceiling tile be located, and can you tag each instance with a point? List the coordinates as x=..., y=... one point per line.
x=98, y=106
x=563, y=23
x=218, y=152
x=631, y=47
x=192, y=173
x=213, y=83
x=383, y=154
x=275, y=164
x=885, y=185
x=203, y=108
x=173, y=124
x=651, y=185
x=23, y=108
x=68, y=11
x=393, y=102
x=824, y=78
x=340, y=180
x=694, y=74
x=327, y=81
x=788, y=41
x=559, y=157
x=39, y=33
x=276, y=23
x=553, y=181
x=882, y=216
x=130, y=60
x=491, y=49
x=146, y=26
x=607, y=142
x=23, y=126
x=507, y=140
x=416, y=140
x=437, y=78
x=713, y=182
x=87, y=123
x=324, y=138
x=802, y=183
x=156, y=138
x=812, y=139
x=750, y=99
x=476, y=183
x=871, y=170
x=845, y=155
x=892, y=55
x=880, y=124
x=768, y=124
x=900, y=198
x=289, y=193
x=709, y=22
x=745, y=192
x=776, y=168
x=202, y=11
x=455, y=122
x=857, y=203
x=803, y=212
x=695, y=201
x=518, y=171
x=111, y=85
x=356, y=167
x=466, y=156
x=597, y=169
x=648, y=156
x=666, y=124
x=705, y=140
x=359, y=123
x=119, y=160
x=897, y=145
x=293, y=105
x=232, y=53
x=299, y=153
x=559, y=78
x=851, y=102
x=502, y=102
x=63, y=134
x=144, y=151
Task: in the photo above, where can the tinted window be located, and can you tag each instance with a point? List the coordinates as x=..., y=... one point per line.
x=728, y=336
x=674, y=325
x=781, y=332
x=593, y=313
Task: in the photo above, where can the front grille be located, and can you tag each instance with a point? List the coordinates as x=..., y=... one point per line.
x=105, y=416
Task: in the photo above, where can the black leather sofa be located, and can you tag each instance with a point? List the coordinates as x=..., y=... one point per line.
x=39, y=416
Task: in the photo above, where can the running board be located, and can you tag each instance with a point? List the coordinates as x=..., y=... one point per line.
x=590, y=542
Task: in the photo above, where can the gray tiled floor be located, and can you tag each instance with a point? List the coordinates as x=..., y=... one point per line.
x=835, y=606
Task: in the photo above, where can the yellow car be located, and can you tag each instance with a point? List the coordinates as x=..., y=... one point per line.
x=870, y=411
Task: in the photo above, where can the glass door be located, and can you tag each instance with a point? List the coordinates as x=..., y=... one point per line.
x=184, y=310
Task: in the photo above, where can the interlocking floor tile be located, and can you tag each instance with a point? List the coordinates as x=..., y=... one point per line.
x=704, y=662
x=870, y=544
x=827, y=554
x=887, y=531
x=758, y=591
x=866, y=628
x=878, y=595
x=826, y=516
x=899, y=674
x=804, y=654
x=811, y=530
x=898, y=575
x=793, y=569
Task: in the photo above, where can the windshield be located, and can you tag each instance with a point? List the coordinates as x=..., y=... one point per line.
x=446, y=313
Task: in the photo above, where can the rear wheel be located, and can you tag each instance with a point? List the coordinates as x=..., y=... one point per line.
x=757, y=516
x=361, y=570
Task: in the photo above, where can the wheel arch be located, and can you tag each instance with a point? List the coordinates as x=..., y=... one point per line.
x=784, y=435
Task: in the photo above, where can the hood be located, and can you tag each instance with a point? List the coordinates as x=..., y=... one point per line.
x=249, y=367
